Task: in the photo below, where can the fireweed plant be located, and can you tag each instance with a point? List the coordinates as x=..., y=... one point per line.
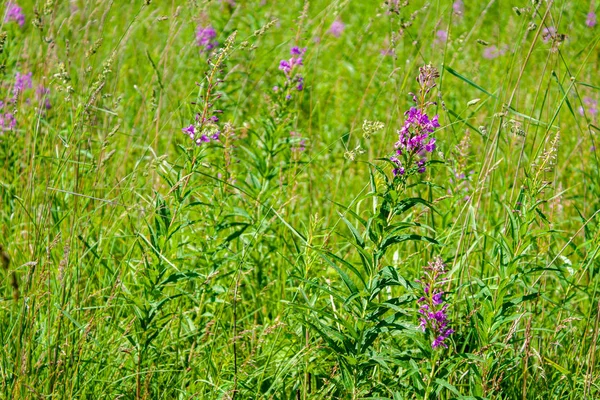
x=369, y=313
x=294, y=81
x=415, y=138
x=434, y=318
x=205, y=127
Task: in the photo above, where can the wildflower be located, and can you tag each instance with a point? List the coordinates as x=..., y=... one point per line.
x=209, y=131
x=431, y=305
x=458, y=7
x=414, y=138
x=591, y=19
x=492, y=52
x=190, y=131
x=205, y=38
x=42, y=95
x=387, y=52
x=297, y=51
x=291, y=65
x=548, y=34
x=285, y=66
x=298, y=144
x=22, y=82
x=14, y=13
x=300, y=83
x=337, y=27
x=441, y=36
x=590, y=105
x=7, y=122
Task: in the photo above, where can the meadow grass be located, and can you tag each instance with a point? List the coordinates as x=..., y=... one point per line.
x=282, y=258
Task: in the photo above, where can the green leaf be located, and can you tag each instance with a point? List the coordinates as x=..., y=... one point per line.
x=349, y=283
x=447, y=385
x=467, y=80
x=178, y=276
x=407, y=204
x=359, y=240
x=388, y=241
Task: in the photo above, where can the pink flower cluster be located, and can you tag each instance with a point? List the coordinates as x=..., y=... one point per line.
x=14, y=13
x=431, y=305
x=21, y=83
x=199, y=139
x=205, y=38
x=290, y=66
x=413, y=139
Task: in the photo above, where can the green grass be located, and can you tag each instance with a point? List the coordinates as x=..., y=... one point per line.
x=136, y=265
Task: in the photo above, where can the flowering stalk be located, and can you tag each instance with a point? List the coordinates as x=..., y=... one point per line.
x=205, y=128
x=415, y=137
x=590, y=21
x=10, y=105
x=432, y=307
x=205, y=38
x=289, y=67
x=337, y=28
x=14, y=13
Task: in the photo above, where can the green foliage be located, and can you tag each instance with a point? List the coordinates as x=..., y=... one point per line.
x=284, y=260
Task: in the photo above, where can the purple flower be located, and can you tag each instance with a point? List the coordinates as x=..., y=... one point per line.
x=430, y=147
x=590, y=105
x=208, y=134
x=337, y=27
x=14, y=13
x=387, y=52
x=492, y=52
x=414, y=138
x=291, y=65
x=296, y=51
x=439, y=341
x=22, y=82
x=591, y=19
x=458, y=7
x=42, y=95
x=441, y=36
x=190, y=131
x=298, y=143
x=7, y=122
x=300, y=82
x=205, y=38
x=434, y=317
x=285, y=66
x=548, y=34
